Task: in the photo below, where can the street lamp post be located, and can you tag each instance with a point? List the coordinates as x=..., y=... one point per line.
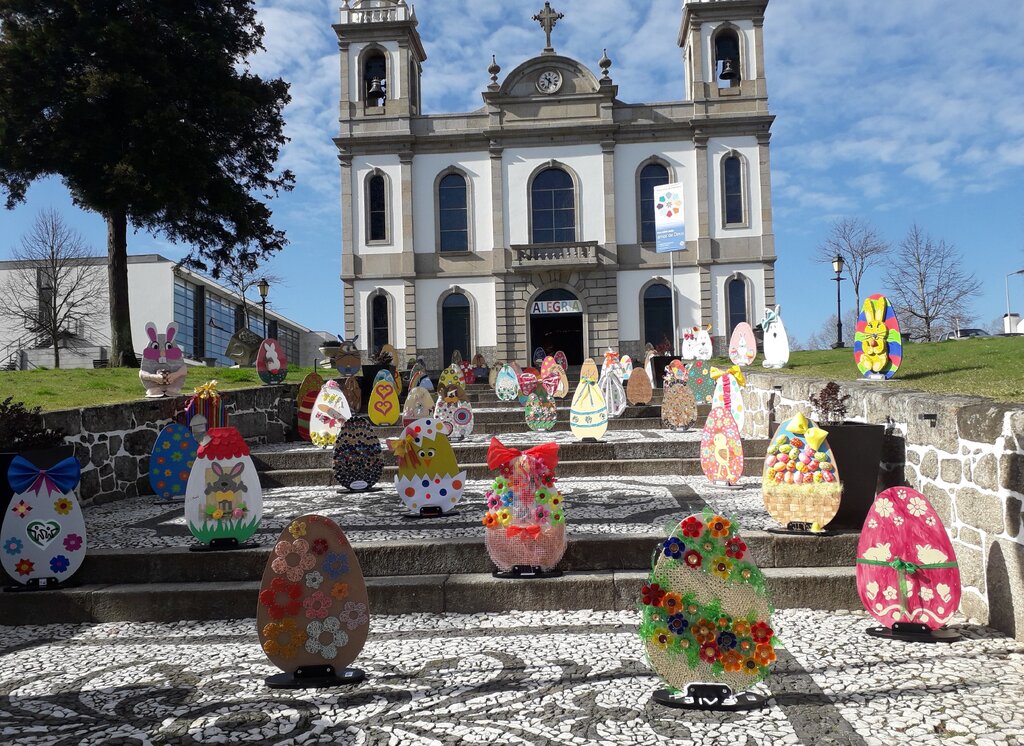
x=837, y=265
x=264, y=288
x=1011, y=274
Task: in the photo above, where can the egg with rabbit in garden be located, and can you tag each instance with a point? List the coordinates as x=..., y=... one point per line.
x=223, y=499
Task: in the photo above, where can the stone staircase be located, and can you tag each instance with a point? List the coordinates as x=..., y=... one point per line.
x=446, y=573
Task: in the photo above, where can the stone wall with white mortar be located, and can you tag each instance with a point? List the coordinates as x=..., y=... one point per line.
x=965, y=454
x=113, y=443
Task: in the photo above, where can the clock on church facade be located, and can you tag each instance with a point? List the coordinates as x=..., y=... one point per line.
x=530, y=222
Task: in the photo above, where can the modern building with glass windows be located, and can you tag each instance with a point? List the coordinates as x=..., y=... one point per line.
x=530, y=222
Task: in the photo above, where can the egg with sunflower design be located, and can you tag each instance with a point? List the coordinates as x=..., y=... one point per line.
x=313, y=608
x=706, y=614
x=170, y=462
x=43, y=529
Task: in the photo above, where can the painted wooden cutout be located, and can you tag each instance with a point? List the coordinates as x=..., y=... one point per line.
x=456, y=358
x=721, y=448
x=330, y=411
x=310, y=385
x=878, y=348
x=271, y=362
x=353, y=394
x=538, y=355
x=527, y=383
x=428, y=474
x=468, y=373
x=639, y=390
x=729, y=393
x=383, y=406
x=418, y=405
x=588, y=415
x=563, y=384
x=223, y=499
x=162, y=370
x=547, y=366
x=611, y=363
x=171, y=461
x=678, y=407
x=541, y=411
x=697, y=343
x=776, y=341
x=43, y=529
x=348, y=361
x=358, y=461
x=698, y=378
x=454, y=409
x=243, y=347
x=506, y=384
x=562, y=360
x=626, y=366
x=313, y=608
x=589, y=370
x=450, y=375
x=801, y=478
x=480, y=368
x=907, y=570
x=492, y=375
x=742, y=345
x=613, y=393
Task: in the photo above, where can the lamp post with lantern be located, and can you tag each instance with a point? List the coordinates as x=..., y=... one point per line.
x=264, y=288
x=837, y=265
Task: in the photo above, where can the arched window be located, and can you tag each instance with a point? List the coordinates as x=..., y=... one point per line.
x=376, y=208
x=736, y=301
x=380, y=322
x=732, y=190
x=651, y=175
x=375, y=79
x=456, y=324
x=553, y=207
x=657, y=302
x=453, y=213
x=727, y=56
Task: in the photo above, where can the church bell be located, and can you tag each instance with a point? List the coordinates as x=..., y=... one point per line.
x=376, y=94
x=730, y=70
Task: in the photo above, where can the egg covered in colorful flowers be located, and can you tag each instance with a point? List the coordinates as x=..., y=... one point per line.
x=907, y=570
x=428, y=474
x=358, y=461
x=706, y=611
x=721, y=448
x=800, y=481
x=330, y=411
x=170, y=463
x=313, y=608
x=43, y=529
x=698, y=378
x=223, y=499
x=541, y=411
x=525, y=517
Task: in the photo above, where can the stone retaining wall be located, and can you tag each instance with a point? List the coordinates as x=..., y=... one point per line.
x=113, y=443
x=965, y=454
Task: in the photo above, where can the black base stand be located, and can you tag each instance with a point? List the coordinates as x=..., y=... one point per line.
x=723, y=485
x=431, y=511
x=35, y=584
x=315, y=677
x=351, y=491
x=222, y=545
x=912, y=632
x=169, y=501
x=710, y=697
x=527, y=572
x=793, y=528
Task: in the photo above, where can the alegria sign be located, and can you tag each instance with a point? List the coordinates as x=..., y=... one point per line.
x=553, y=307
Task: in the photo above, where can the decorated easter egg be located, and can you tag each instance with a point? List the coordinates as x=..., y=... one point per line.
x=639, y=389
x=468, y=373
x=453, y=409
x=462, y=421
x=492, y=374
x=562, y=360
x=562, y=390
x=550, y=381
x=271, y=362
x=383, y=406
x=456, y=358
x=541, y=411
x=450, y=375
x=353, y=393
x=728, y=392
x=906, y=568
x=312, y=383
x=358, y=461
x=480, y=369
x=613, y=392
x=589, y=370
x=801, y=478
x=418, y=404
x=698, y=378
x=171, y=460
x=678, y=407
x=527, y=383
x=330, y=411
x=313, y=609
x=611, y=362
x=223, y=499
x=626, y=366
x=506, y=384
x=346, y=359
x=878, y=345
x=525, y=519
x=396, y=379
x=721, y=448
x=539, y=355
x=776, y=341
x=706, y=615
x=742, y=345
x=428, y=473
x=547, y=366
x=588, y=415
x=43, y=529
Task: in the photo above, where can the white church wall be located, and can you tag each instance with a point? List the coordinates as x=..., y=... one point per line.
x=746, y=146
x=681, y=156
x=394, y=288
x=483, y=301
x=719, y=275
x=747, y=48
x=362, y=167
x=425, y=170
x=394, y=58
x=630, y=284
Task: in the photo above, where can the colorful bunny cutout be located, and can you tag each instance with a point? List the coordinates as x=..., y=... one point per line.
x=162, y=370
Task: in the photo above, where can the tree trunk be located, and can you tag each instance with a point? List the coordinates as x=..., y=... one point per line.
x=122, y=351
x=56, y=350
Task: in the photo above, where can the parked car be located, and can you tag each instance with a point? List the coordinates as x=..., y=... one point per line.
x=965, y=334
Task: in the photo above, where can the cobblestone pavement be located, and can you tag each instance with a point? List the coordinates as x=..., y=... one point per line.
x=513, y=678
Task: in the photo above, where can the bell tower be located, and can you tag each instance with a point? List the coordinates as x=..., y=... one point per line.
x=723, y=53
x=381, y=63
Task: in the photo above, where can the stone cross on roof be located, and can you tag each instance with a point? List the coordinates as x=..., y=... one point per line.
x=547, y=18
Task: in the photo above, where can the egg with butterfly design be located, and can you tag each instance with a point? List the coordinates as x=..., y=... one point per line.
x=330, y=411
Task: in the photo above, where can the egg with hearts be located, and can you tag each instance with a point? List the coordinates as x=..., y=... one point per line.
x=721, y=448
x=639, y=390
x=330, y=411
x=43, y=529
x=800, y=482
x=613, y=392
x=428, y=473
x=383, y=406
x=223, y=499
x=706, y=614
x=907, y=569
x=541, y=411
x=506, y=384
x=358, y=460
x=271, y=362
x=313, y=608
x=588, y=414
x=171, y=460
x=742, y=345
x=418, y=404
x=678, y=407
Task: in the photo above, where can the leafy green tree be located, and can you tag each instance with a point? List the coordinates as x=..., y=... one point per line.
x=151, y=117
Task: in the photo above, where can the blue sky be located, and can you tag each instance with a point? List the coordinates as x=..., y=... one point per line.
x=894, y=112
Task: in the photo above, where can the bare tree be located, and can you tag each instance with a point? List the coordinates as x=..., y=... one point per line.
x=861, y=247
x=54, y=291
x=242, y=276
x=930, y=287
x=825, y=337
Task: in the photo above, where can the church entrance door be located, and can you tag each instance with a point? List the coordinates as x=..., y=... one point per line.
x=556, y=323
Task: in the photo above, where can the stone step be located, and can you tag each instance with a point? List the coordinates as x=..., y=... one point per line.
x=316, y=458
x=518, y=425
x=584, y=553
x=486, y=417
x=490, y=399
x=829, y=589
x=686, y=467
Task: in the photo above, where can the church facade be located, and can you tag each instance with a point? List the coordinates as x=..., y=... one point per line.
x=530, y=222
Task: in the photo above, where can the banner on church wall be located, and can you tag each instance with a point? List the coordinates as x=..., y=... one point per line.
x=555, y=307
x=669, y=224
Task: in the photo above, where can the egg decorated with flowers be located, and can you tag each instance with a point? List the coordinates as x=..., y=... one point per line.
x=541, y=411
x=506, y=384
x=170, y=462
x=43, y=529
x=698, y=378
x=706, y=615
x=313, y=608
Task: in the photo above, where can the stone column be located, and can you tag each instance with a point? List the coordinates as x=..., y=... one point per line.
x=348, y=243
x=410, y=317
x=764, y=165
x=406, y=207
x=608, y=158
